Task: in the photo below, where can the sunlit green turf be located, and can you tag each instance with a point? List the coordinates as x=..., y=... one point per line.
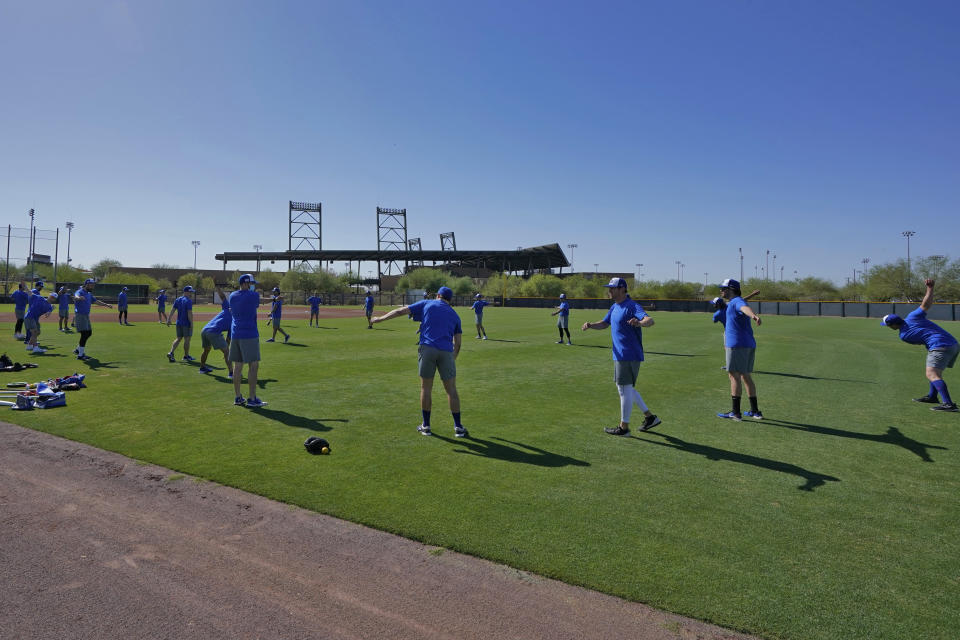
x=836, y=517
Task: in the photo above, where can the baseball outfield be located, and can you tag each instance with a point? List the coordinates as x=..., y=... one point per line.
x=835, y=517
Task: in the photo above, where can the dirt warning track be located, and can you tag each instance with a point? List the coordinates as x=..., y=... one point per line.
x=96, y=546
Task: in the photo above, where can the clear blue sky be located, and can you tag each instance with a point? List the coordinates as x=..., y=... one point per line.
x=643, y=132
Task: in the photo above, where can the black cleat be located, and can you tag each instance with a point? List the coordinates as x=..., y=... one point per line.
x=946, y=406
x=649, y=423
x=618, y=431
x=927, y=400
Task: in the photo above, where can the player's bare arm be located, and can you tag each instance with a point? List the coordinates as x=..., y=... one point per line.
x=456, y=344
x=594, y=325
x=747, y=311
x=399, y=311
x=927, y=301
x=645, y=322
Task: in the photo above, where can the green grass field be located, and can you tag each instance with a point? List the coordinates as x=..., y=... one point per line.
x=836, y=517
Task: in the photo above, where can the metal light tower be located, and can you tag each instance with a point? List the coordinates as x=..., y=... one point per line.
x=705, y=274
x=677, y=262
x=596, y=267
x=195, y=243
x=741, y=263
x=908, y=235
x=571, y=247
x=639, y=268
x=864, y=262
x=774, y=267
x=258, y=248
x=766, y=272
x=70, y=227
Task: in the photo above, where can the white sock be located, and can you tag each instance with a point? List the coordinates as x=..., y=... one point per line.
x=626, y=402
x=638, y=399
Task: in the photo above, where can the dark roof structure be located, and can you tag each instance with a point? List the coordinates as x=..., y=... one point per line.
x=527, y=260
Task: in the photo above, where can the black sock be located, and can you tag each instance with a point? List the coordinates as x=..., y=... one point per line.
x=456, y=419
x=736, y=404
x=753, y=404
x=426, y=417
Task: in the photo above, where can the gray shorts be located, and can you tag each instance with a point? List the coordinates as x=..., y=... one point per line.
x=245, y=350
x=479, y=317
x=212, y=340
x=563, y=322
x=740, y=359
x=431, y=359
x=81, y=322
x=184, y=332
x=31, y=324
x=626, y=371
x=943, y=358
x=64, y=313
x=121, y=307
x=19, y=313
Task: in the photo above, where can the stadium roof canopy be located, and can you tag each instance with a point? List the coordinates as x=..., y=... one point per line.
x=548, y=256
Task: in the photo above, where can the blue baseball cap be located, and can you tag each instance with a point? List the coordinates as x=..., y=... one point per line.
x=717, y=302
x=124, y=289
x=188, y=289
x=39, y=284
x=276, y=289
x=616, y=283
x=891, y=319
x=247, y=277
x=89, y=281
x=37, y=291
x=445, y=292
x=52, y=295
x=563, y=296
x=730, y=283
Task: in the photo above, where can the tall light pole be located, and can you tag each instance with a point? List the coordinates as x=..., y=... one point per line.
x=741, y=263
x=195, y=243
x=30, y=245
x=70, y=227
x=766, y=272
x=596, y=267
x=681, y=271
x=864, y=262
x=774, y=267
x=705, y=274
x=571, y=247
x=938, y=263
x=908, y=235
x=258, y=248
x=678, y=270
x=639, y=268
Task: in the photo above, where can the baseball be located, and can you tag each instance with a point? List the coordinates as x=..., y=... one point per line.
x=325, y=450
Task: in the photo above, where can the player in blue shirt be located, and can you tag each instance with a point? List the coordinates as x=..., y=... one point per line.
x=161, y=305
x=368, y=309
x=276, y=312
x=63, y=297
x=20, y=299
x=477, y=307
x=942, y=348
x=184, y=308
x=211, y=335
x=720, y=313
x=440, y=337
x=39, y=305
x=245, y=339
x=315, y=301
x=563, y=310
x=122, y=306
x=741, y=350
x=626, y=318
x=83, y=299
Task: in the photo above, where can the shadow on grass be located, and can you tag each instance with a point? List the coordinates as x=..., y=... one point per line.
x=592, y=346
x=292, y=420
x=261, y=382
x=319, y=327
x=522, y=453
x=294, y=344
x=501, y=340
x=812, y=478
x=893, y=436
x=803, y=377
x=95, y=364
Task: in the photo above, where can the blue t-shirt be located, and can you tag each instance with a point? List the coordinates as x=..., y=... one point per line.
x=122, y=299
x=220, y=322
x=917, y=329
x=315, y=302
x=243, y=307
x=439, y=323
x=720, y=315
x=627, y=339
x=277, y=310
x=564, y=309
x=82, y=300
x=38, y=307
x=161, y=301
x=368, y=304
x=181, y=305
x=478, y=306
x=20, y=299
x=737, y=332
x=63, y=300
